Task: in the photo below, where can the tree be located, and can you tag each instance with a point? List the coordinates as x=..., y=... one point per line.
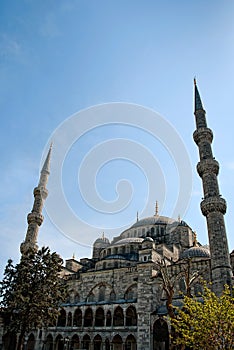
x=170, y=279
x=32, y=292
x=207, y=323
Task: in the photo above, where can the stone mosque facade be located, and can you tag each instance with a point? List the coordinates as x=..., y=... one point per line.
x=116, y=298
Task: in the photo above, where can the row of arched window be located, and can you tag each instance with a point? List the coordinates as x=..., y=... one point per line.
x=77, y=342
x=128, y=249
x=99, y=318
x=102, y=293
x=85, y=342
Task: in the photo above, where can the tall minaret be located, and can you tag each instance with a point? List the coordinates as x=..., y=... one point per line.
x=35, y=218
x=213, y=206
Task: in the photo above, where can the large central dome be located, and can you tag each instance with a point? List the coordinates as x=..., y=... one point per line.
x=153, y=220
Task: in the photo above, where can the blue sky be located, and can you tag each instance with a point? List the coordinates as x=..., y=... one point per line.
x=61, y=57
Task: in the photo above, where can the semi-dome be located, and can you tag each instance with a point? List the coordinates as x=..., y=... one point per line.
x=128, y=240
x=196, y=252
x=153, y=220
x=148, y=239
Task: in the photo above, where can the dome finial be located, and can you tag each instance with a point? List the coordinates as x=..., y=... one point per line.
x=73, y=256
x=195, y=239
x=137, y=217
x=179, y=218
x=156, y=208
x=103, y=236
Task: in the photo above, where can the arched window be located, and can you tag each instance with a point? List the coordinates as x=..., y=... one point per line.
x=88, y=318
x=118, y=317
x=131, y=293
x=130, y=343
x=99, y=317
x=76, y=298
x=108, y=319
x=101, y=296
x=112, y=296
x=86, y=342
x=131, y=316
x=59, y=343
x=30, y=342
x=182, y=286
x=160, y=331
x=49, y=342
x=75, y=342
x=90, y=297
x=97, y=342
x=117, y=341
x=77, y=319
x=69, y=319
x=157, y=230
x=62, y=318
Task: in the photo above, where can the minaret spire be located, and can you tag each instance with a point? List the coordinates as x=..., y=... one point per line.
x=45, y=171
x=213, y=206
x=35, y=218
x=198, y=102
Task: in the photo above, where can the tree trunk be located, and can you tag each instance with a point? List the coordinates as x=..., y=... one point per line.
x=21, y=340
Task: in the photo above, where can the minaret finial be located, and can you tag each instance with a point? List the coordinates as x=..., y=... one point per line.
x=137, y=217
x=179, y=218
x=156, y=208
x=198, y=101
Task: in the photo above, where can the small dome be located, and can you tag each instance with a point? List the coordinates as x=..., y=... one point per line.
x=101, y=242
x=196, y=252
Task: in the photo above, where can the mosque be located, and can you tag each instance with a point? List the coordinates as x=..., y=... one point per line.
x=117, y=298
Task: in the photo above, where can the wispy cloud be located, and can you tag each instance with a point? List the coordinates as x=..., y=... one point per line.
x=49, y=27
x=9, y=47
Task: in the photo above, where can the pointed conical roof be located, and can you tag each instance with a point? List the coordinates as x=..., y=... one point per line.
x=198, y=102
x=45, y=171
x=46, y=165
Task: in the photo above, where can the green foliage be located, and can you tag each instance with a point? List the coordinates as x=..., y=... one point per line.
x=32, y=291
x=207, y=323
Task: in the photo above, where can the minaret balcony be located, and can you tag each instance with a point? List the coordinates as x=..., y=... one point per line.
x=35, y=218
x=208, y=166
x=213, y=204
x=203, y=134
